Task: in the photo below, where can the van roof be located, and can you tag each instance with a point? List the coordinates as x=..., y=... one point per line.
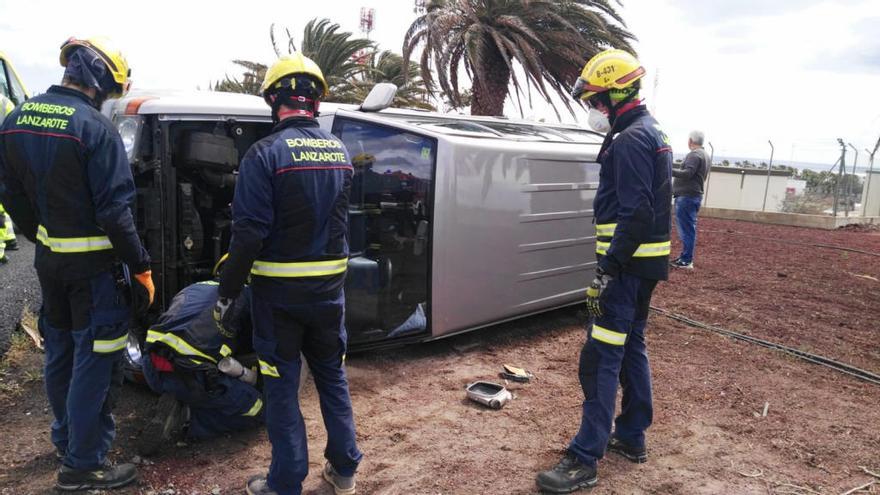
x=171, y=102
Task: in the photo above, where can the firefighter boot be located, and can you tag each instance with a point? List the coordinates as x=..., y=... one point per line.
x=638, y=455
x=342, y=485
x=258, y=485
x=167, y=423
x=567, y=476
x=103, y=478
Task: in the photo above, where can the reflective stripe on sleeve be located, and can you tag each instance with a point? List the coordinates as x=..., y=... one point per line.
x=608, y=336
x=644, y=250
x=225, y=350
x=255, y=409
x=268, y=370
x=108, y=346
x=300, y=269
x=605, y=229
x=179, y=345
x=72, y=244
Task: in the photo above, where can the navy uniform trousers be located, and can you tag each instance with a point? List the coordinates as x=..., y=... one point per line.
x=281, y=332
x=615, y=350
x=84, y=324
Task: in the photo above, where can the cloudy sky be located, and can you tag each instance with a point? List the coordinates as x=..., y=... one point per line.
x=798, y=72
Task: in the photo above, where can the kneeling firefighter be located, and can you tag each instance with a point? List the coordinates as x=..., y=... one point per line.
x=632, y=211
x=205, y=390
x=290, y=228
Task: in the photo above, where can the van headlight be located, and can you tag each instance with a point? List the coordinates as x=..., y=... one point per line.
x=129, y=127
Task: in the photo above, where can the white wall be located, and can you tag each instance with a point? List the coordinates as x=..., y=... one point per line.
x=796, y=186
x=737, y=189
x=871, y=201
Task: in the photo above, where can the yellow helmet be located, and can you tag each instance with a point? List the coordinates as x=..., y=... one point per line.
x=608, y=70
x=289, y=65
x=107, y=52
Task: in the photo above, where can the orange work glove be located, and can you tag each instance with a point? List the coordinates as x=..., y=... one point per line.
x=144, y=292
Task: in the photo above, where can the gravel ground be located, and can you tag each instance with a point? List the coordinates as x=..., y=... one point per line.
x=729, y=417
x=18, y=287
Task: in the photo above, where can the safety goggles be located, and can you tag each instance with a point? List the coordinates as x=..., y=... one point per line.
x=581, y=86
x=301, y=83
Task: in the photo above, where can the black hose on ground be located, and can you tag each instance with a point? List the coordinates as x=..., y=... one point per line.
x=806, y=356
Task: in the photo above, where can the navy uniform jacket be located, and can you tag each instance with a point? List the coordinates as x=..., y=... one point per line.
x=632, y=203
x=66, y=181
x=187, y=328
x=290, y=216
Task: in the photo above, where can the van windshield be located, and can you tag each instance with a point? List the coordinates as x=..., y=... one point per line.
x=389, y=229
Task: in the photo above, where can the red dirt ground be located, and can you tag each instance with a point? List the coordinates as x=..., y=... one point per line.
x=420, y=436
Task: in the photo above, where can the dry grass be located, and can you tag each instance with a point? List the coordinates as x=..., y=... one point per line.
x=23, y=362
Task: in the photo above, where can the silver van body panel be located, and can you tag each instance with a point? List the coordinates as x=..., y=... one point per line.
x=513, y=230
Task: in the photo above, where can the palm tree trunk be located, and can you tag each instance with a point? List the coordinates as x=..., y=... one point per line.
x=488, y=97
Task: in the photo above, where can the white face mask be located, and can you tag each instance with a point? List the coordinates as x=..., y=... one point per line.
x=599, y=121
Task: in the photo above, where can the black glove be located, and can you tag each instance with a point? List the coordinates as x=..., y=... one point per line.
x=594, y=292
x=220, y=313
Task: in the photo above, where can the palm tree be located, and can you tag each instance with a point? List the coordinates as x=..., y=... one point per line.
x=549, y=40
x=249, y=83
x=351, y=67
x=337, y=53
x=387, y=66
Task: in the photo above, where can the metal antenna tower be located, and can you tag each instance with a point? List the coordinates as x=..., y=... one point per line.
x=368, y=17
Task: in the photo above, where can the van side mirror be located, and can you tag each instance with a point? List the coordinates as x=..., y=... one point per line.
x=380, y=98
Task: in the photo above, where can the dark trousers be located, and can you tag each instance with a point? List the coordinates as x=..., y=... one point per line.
x=686, y=209
x=317, y=330
x=84, y=324
x=218, y=404
x=615, y=351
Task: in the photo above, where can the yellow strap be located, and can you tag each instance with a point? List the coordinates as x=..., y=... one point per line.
x=608, y=336
x=605, y=229
x=255, y=409
x=268, y=370
x=108, y=346
x=225, y=350
x=301, y=269
x=73, y=244
x=179, y=345
x=648, y=250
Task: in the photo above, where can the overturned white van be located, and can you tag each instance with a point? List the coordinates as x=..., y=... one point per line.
x=456, y=222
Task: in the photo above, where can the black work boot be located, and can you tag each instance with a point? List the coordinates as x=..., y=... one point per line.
x=102, y=478
x=567, y=476
x=258, y=485
x=638, y=455
x=167, y=424
x=12, y=245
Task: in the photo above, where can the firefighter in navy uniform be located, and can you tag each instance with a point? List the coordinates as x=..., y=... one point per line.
x=290, y=227
x=7, y=234
x=180, y=361
x=66, y=182
x=632, y=212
